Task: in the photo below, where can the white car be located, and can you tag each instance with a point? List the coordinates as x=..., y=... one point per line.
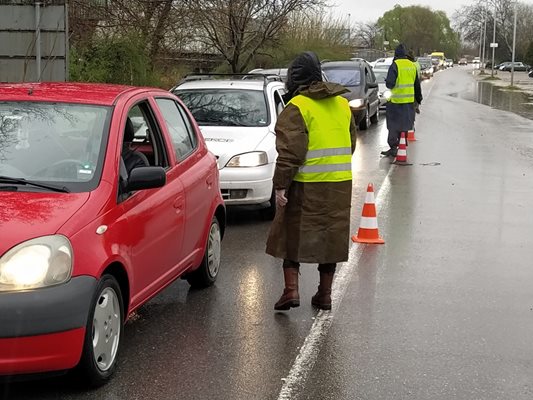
x=383, y=63
x=237, y=118
x=384, y=93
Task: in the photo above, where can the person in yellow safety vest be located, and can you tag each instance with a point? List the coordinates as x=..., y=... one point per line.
x=315, y=140
x=411, y=57
x=402, y=79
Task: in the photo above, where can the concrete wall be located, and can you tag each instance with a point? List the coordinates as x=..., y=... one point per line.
x=19, y=43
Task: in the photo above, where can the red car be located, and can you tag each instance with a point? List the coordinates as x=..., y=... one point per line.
x=107, y=195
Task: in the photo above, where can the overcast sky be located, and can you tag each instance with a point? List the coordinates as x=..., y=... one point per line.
x=371, y=10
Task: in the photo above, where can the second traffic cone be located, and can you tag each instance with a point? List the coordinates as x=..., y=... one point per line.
x=401, y=156
x=411, y=135
x=368, y=228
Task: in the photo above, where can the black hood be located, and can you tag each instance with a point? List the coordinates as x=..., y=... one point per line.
x=304, y=70
x=400, y=51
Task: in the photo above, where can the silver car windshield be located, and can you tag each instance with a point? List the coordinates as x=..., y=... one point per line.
x=226, y=107
x=55, y=143
x=344, y=76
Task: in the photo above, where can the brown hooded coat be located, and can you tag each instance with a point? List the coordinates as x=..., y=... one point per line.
x=314, y=226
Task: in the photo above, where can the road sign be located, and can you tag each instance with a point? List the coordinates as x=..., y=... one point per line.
x=494, y=45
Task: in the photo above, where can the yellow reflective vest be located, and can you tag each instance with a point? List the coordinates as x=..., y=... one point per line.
x=404, y=90
x=329, y=152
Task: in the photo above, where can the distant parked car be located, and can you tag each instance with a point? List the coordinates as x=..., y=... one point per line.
x=363, y=98
x=463, y=61
x=518, y=66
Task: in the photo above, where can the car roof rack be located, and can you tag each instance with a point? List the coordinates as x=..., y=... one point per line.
x=267, y=78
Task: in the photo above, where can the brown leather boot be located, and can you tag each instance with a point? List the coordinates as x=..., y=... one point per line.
x=322, y=298
x=290, y=297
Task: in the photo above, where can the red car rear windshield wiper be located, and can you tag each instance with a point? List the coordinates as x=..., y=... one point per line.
x=22, y=181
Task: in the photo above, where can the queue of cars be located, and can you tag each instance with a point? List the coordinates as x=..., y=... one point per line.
x=109, y=193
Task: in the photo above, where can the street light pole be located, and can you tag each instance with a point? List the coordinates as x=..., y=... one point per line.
x=349, y=28
x=481, y=40
x=484, y=36
x=514, y=46
x=493, y=41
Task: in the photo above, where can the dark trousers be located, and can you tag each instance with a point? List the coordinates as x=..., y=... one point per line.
x=329, y=267
x=394, y=138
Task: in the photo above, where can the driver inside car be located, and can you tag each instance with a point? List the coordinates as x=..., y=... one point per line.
x=132, y=158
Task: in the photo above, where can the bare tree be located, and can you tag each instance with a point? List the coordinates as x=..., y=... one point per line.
x=368, y=35
x=238, y=29
x=159, y=24
x=469, y=21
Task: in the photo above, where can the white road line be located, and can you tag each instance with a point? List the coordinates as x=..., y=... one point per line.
x=306, y=359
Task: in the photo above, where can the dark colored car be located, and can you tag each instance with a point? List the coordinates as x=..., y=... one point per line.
x=426, y=67
x=358, y=77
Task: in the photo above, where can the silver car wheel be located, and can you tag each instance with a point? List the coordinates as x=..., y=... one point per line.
x=213, y=250
x=106, y=329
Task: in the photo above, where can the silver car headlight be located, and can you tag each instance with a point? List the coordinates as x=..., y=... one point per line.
x=36, y=263
x=252, y=159
x=356, y=103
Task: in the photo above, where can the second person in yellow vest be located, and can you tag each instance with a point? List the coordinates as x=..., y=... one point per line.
x=402, y=79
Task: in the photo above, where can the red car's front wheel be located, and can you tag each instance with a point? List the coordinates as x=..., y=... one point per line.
x=103, y=333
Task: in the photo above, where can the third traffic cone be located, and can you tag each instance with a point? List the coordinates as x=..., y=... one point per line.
x=411, y=135
x=401, y=156
x=368, y=228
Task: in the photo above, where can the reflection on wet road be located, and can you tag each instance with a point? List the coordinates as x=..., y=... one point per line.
x=501, y=98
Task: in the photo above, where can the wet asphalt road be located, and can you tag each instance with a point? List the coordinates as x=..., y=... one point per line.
x=443, y=310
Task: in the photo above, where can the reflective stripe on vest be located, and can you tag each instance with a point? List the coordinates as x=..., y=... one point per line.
x=404, y=90
x=329, y=154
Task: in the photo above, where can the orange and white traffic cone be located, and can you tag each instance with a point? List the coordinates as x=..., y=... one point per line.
x=368, y=227
x=401, y=156
x=411, y=136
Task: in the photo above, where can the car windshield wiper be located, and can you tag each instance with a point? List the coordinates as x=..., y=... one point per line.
x=22, y=181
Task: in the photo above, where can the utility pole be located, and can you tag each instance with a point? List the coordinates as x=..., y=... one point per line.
x=480, y=40
x=484, y=36
x=493, y=42
x=38, y=40
x=514, y=46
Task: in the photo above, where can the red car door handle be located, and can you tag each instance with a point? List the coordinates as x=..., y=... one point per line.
x=178, y=203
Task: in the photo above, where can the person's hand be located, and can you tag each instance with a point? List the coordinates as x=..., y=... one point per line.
x=417, y=109
x=281, y=200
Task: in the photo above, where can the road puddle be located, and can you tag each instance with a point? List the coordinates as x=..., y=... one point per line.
x=500, y=97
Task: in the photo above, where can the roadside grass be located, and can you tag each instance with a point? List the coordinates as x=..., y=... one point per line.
x=492, y=78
